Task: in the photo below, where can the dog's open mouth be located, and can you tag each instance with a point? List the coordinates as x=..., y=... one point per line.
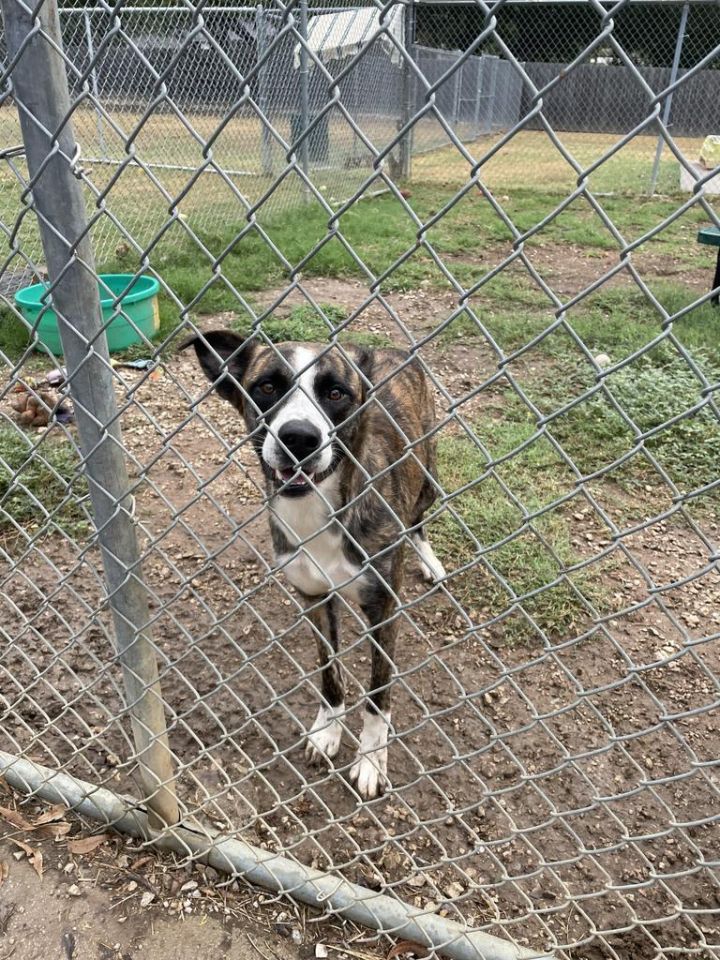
x=294, y=479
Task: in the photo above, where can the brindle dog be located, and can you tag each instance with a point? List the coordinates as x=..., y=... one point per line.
x=344, y=439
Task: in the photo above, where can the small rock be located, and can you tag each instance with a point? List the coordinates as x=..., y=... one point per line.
x=454, y=890
x=147, y=898
x=321, y=950
x=113, y=760
x=132, y=886
x=417, y=880
x=603, y=360
x=74, y=890
x=190, y=885
x=296, y=936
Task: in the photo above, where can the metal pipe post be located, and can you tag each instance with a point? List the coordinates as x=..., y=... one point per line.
x=94, y=84
x=457, y=94
x=492, y=91
x=41, y=94
x=408, y=90
x=304, y=94
x=261, y=47
x=668, y=100
x=477, y=87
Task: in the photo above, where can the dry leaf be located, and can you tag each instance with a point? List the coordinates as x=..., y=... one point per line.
x=4, y=871
x=49, y=824
x=15, y=818
x=34, y=856
x=407, y=946
x=52, y=830
x=56, y=812
x=87, y=844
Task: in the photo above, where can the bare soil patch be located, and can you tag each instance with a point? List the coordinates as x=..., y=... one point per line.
x=121, y=902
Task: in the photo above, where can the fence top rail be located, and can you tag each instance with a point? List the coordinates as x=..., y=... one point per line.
x=270, y=6
x=181, y=8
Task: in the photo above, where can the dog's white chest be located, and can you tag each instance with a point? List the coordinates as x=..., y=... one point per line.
x=318, y=564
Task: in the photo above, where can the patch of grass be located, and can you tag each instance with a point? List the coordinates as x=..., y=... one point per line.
x=617, y=321
x=621, y=320
x=41, y=487
x=305, y=325
x=470, y=237
x=651, y=391
x=536, y=554
x=14, y=336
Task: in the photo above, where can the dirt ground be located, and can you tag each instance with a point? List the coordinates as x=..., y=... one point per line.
x=560, y=790
x=118, y=903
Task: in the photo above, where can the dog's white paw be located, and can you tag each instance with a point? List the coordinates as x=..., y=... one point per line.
x=369, y=772
x=432, y=574
x=324, y=739
x=432, y=570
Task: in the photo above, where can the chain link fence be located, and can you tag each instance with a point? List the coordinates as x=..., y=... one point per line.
x=158, y=86
x=467, y=183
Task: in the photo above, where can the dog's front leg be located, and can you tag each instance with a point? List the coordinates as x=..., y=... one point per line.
x=324, y=738
x=369, y=772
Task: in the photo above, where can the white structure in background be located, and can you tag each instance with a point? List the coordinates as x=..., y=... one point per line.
x=709, y=160
x=334, y=36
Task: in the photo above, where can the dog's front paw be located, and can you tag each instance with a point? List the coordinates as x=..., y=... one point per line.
x=324, y=739
x=369, y=774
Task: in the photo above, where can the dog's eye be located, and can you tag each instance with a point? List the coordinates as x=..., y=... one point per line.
x=335, y=394
x=267, y=388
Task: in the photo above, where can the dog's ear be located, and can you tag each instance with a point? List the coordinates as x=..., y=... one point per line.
x=363, y=360
x=224, y=357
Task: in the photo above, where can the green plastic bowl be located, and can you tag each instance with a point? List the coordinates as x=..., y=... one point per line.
x=140, y=311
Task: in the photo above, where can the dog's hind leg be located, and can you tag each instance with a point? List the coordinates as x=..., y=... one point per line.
x=432, y=569
x=324, y=738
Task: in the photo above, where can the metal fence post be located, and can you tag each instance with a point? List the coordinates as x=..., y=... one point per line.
x=261, y=46
x=94, y=84
x=408, y=105
x=668, y=100
x=41, y=92
x=492, y=90
x=457, y=92
x=304, y=95
x=478, y=88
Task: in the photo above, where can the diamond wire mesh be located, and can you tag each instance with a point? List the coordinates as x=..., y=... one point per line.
x=129, y=63
x=555, y=737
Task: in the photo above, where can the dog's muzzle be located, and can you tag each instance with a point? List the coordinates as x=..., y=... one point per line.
x=299, y=443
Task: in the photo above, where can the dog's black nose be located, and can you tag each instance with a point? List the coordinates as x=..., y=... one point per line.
x=299, y=438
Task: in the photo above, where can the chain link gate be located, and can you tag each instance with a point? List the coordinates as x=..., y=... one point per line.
x=555, y=741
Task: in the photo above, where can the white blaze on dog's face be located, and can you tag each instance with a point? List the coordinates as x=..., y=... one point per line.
x=297, y=444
